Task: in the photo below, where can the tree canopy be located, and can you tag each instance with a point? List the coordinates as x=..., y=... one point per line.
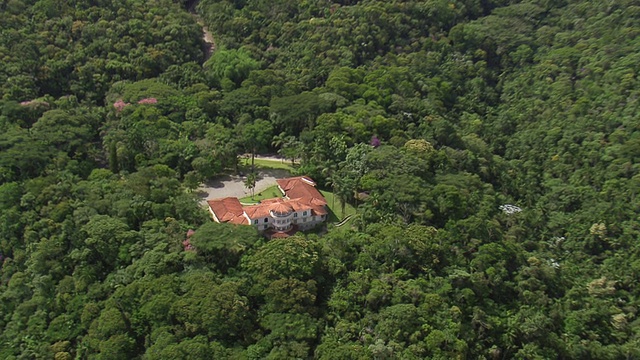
x=489, y=147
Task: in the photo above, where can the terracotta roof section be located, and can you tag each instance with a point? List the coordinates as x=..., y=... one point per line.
x=257, y=211
x=300, y=195
x=271, y=201
x=302, y=189
x=289, y=183
x=265, y=206
x=319, y=210
x=274, y=234
x=281, y=208
x=228, y=210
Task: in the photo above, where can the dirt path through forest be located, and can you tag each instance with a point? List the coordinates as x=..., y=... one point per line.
x=207, y=36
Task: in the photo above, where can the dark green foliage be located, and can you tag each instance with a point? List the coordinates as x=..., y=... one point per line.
x=292, y=114
x=56, y=49
x=490, y=148
x=223, y=244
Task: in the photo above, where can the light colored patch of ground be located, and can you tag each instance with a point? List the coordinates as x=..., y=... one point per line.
x=266, y=157
x=233, y=185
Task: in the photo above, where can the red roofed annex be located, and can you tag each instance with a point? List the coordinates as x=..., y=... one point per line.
x=227, y=210
x=302, y=208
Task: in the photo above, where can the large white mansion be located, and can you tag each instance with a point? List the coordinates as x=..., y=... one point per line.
x=301, y=208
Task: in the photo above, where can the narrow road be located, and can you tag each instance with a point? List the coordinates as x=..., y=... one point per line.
x=207, y=36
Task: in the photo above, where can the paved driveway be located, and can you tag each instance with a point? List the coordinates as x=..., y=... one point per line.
x=233, y=185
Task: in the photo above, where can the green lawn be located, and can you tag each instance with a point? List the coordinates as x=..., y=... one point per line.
x=268, y=193
x=335, y=207
x=267, y=164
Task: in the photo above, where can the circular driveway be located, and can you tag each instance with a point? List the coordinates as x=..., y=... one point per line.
x=233, y=185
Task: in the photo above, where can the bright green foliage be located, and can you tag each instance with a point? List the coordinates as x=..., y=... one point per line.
x=335, y=206
x=228, y=68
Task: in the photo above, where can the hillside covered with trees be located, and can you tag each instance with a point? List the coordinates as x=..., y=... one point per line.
x=491, y=149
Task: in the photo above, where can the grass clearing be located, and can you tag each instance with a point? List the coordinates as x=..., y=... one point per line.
x=267, y=164
x=335, y=207
x=268, y=193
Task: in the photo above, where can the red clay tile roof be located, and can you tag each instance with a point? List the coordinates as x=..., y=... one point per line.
x=271, y=201
x=263, y=209
x=281, y=208
x=278, y=235
x=319, y=210
x=302, y=189
x=301, y=195
x=257, y=211
x=228, y=210
x=275, y=234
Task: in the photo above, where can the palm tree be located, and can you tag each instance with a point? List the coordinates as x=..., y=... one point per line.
x=341, y=186
x=288, y=146
x=250, y=183
x=331, y=180
x=279, y=140
x=344, y=191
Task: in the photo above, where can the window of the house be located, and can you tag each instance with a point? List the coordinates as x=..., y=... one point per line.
x=266, y=220
x=295, y=214
x=255, y=221
x=304, y=213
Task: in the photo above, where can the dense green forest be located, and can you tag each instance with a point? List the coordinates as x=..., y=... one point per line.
x=491, y=148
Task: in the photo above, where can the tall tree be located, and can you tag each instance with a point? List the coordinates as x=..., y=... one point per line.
x=250, y=183
x=256, y=137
